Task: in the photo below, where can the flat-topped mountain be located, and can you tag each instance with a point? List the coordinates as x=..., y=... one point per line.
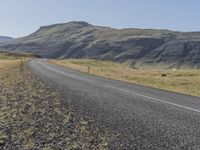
x=140, y=47
x=5, y=39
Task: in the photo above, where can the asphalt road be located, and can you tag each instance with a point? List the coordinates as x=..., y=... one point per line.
x=146, y=118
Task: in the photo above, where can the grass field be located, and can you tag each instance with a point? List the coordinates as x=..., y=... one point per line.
x=13, y=56
x=183, y=81
x=10, y=61
x=5, y=57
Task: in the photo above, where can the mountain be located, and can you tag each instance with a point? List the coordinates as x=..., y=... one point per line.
x=5, y=39
x=139, y=47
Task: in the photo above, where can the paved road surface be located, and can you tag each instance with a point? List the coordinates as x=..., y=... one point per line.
x=146, y=118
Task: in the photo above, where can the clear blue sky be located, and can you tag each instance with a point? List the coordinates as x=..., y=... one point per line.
x=22, y=17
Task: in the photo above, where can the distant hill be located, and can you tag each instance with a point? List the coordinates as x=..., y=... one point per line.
x=5, y=39
x=139, y=47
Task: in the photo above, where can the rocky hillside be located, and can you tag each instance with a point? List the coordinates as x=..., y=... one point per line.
x=140, y=47
x=5, y=39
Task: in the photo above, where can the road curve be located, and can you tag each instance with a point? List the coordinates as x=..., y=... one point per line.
x=146, y=118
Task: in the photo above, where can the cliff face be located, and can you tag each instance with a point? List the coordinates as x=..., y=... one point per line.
x=142, y=47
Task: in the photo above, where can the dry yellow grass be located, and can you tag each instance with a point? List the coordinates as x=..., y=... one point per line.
x=8, y=64
x=183, y=81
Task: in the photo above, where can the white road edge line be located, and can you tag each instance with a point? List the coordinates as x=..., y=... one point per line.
x=155, y=99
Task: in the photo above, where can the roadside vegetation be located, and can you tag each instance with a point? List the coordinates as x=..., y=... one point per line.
x=14, y=56
x=32, y=116
x=182, y=81
x=5, y=57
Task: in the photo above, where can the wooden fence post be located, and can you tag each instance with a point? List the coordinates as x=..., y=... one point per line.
x=88, y=71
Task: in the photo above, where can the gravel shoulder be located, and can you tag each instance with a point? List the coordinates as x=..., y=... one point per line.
x=32, y=116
